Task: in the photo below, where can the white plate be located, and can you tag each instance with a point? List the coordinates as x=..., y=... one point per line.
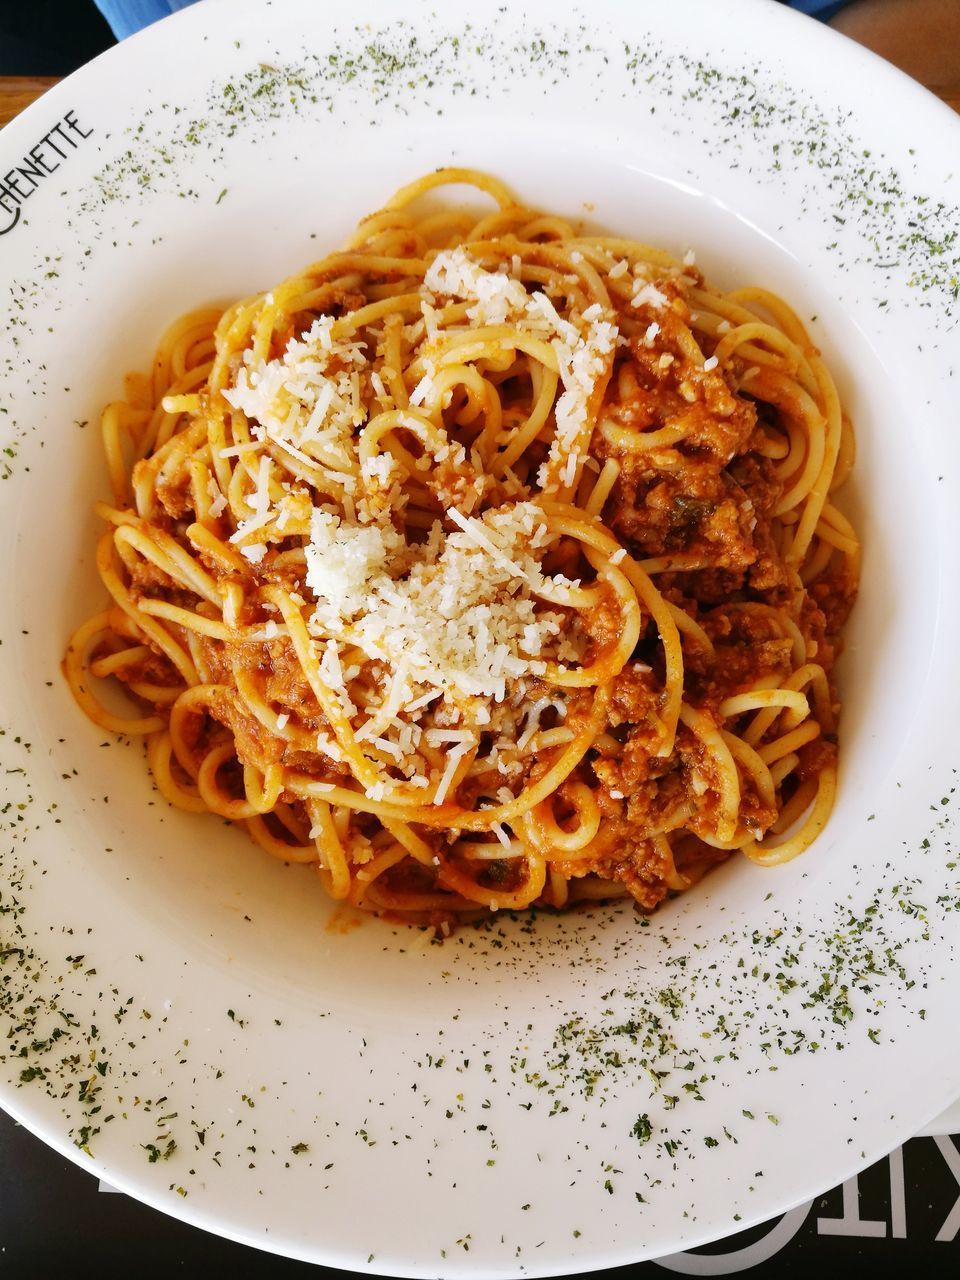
x=947, y=1122
x=469, y=1108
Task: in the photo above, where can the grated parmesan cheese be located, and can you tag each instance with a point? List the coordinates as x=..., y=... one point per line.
x=647, y=295
x=307, y=400
x=218, y=503
x=453, y=763
x=445, y=629
x=341, y=560
x=497, y=297
x=583, y=354
x=455, y=617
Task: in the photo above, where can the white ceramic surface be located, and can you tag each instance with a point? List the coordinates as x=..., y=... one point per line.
x=947, y=1122
x=184, y=1015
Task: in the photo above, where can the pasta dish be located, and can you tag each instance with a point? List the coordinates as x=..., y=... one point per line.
x=482, y=564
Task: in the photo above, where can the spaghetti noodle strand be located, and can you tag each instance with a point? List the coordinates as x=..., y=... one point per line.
x=482, y=564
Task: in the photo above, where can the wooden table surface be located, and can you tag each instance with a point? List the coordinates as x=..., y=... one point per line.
x=17, y=92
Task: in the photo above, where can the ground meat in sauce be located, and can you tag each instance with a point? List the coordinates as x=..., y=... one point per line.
x=602, y=623
x=154, y=668
x=146, y=578
x=706, y=502
x=636, y=864
x=286, y=685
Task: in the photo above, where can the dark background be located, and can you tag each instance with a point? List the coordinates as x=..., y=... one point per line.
x=50, y=37
x=55, y=1221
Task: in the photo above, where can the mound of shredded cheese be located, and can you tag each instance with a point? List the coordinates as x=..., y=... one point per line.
x=457, y=620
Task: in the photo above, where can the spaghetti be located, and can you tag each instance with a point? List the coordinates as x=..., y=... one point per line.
x=483, y=564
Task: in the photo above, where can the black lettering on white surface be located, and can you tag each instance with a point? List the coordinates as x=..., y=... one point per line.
x=24, y=177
